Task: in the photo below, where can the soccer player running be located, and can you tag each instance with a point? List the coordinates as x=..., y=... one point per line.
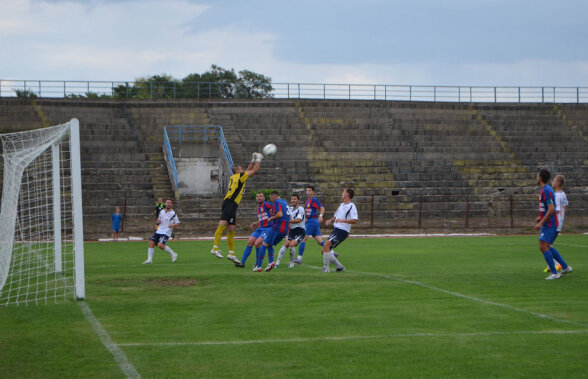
x=297, y=231
x=262, y=227
x=230, y=205
x=280, y=223
x=561, y=203
x=547, y=222
x=314, y=217
x=345, y=216
x=167, y=220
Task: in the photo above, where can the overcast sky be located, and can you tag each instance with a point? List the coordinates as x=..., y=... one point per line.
x=429, y=42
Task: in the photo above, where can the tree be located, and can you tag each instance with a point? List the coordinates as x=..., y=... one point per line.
x=252, y=85
x=214, y=83
x=25, y=93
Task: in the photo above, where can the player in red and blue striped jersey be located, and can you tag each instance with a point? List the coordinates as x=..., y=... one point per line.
x=265, y=210
x=314, y=218
x=547, y=222
x=280, y=224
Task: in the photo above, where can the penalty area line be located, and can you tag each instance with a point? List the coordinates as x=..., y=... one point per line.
x=352, y=338
x=119, y=356
x=457, y=294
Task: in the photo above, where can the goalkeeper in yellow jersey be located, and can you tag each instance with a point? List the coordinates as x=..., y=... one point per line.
x=230, y=205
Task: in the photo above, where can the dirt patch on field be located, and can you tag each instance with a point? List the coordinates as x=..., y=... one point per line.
x=175, y=282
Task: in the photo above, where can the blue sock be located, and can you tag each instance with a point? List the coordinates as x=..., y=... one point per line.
x=301, y=248
x=558, y=257
x=549, y=259
x=323, y=243
x=270, y=253
x=246, y=254
x=261, y=255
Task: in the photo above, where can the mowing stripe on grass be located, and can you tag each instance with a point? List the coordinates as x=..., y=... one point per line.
x=457, y=294
x=568, y=244
x=120, y=357
x=351, y=338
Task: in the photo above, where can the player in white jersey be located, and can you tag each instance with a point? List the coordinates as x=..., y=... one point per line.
x=345, y=216
x=297, y=230
x=167, y=220
x=561, y=204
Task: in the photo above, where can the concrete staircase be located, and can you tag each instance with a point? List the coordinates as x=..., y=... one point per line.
x=432, y=166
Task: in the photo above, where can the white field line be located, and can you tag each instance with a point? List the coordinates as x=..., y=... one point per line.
x=409, y=235
x=120, y=357
x=457, y=294
x=352, y=338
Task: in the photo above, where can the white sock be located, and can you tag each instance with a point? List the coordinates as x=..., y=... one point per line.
x=150, y=253
x=333, y=259
x=326, y=259
x=281, y=254
x=169, y=250
x=292, y=254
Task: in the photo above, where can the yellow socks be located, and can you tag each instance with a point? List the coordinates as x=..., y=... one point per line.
x=231, y=239
x=218, y=234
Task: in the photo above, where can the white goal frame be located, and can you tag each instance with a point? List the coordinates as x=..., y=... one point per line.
x=41, y=218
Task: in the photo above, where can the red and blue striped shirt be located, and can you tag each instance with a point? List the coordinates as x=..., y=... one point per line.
x=547, y=197
x=313, y=206
x=281, y=224
x=264, y=212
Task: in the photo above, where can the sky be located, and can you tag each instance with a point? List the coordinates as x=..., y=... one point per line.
x=396, y=42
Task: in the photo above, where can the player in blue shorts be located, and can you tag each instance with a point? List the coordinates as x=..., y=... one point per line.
x=262, y=227
x=116, y=223
x=314, y=217
x=547, y=222
x=345, y=216
x=561, y=204
x=280, y=224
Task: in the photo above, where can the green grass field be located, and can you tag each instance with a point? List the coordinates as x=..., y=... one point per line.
x=405, y=307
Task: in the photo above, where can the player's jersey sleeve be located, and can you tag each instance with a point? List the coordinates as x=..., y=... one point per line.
x=174, y=219
x=352, y=214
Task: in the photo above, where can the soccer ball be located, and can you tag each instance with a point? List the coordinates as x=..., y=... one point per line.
x=269, y=149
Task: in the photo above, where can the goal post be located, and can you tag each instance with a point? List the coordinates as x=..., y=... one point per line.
x=42, y=253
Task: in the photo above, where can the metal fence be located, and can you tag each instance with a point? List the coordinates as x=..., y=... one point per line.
x=208, y=90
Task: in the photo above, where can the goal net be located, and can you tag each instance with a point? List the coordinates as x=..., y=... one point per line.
x=41, y=252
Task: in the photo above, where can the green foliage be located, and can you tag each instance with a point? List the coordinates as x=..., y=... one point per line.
x=252, y=85
x=88, y=95
x=217, y=83
x=266, y=192
x=25, y=94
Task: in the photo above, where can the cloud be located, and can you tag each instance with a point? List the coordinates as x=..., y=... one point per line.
x=124, y=40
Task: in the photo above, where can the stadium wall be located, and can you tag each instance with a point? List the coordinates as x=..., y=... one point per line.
x=415, y=166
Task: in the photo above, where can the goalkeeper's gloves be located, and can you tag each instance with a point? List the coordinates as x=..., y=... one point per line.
x=254, y=157
x=258, y=157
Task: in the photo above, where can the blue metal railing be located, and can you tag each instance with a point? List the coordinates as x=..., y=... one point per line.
x=203, y=133
x=208, y=90
x=170, y=155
